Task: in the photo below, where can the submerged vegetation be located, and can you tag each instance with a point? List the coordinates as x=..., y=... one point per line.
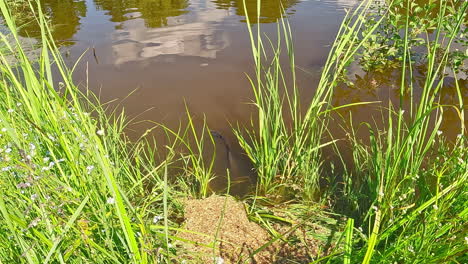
x=75, y=189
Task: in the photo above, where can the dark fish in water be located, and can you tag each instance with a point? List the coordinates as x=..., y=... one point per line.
x=95, y=56
x=218, y=135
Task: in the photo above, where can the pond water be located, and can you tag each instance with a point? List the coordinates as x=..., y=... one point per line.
x=168, y=53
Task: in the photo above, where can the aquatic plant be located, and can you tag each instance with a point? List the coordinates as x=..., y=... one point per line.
x=386, y=47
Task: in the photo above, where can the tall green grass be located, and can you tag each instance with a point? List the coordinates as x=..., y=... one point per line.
x=73, y=187
x=196, y=149
x=412, y=187
x=284, y=143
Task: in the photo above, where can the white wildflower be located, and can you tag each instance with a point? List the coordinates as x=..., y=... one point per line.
x=46, y=159
x=34, y=197
x=157, y=218
x=439, y=132
x=34, y=222
x=100, y=132
x=18, y=104
x=4, y=129
x=435, y=207
x=23, y=185
x=10, y=110
x=219, y=260
x=111, y=200
x=8, y=150
x=90, y=168
x=32, y=146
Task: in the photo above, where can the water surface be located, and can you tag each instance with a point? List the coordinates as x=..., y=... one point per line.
x=169, y=54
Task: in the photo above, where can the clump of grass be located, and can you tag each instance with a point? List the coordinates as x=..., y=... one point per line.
x=410, y=191
x=408, y=197
x=196, y=149
x=286, y=155
x=73, y=187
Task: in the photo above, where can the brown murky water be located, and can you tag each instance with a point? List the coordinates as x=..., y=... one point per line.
x=168, y=53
